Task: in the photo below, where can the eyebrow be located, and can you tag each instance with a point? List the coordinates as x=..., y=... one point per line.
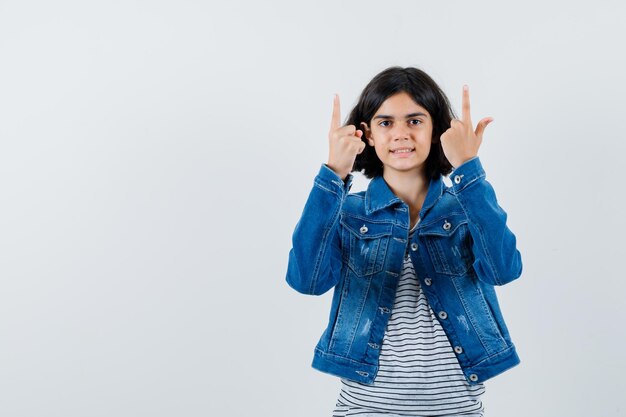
x=408, y=116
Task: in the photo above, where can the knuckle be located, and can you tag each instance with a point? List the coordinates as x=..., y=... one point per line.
x=341, y=131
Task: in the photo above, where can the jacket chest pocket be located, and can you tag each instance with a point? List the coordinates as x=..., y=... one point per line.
x=365, y=244
x=449, y=245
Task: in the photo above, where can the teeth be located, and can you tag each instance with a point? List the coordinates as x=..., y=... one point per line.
x=402, y=151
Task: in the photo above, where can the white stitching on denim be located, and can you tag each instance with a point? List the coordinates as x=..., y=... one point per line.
x=317, y=184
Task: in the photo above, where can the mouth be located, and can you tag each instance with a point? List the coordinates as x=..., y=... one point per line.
x=402, y=151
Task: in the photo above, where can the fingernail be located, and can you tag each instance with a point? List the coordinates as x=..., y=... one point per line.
x=465, y=87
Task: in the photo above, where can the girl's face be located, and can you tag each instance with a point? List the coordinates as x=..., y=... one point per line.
x=401, y=133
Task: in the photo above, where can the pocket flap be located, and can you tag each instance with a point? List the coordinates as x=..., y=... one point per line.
x=444, y=226
x=366, y=229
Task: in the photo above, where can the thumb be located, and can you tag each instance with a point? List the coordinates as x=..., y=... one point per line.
x=482, y=125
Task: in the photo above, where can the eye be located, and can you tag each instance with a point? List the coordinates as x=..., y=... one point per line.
x=415, y=120
x=384, y=121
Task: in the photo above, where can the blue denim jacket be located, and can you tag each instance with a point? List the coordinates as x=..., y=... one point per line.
x=355, y=243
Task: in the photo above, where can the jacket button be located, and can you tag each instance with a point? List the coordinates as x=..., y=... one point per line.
x=443, y=315
x=457, y=179
x=384, y=309
x=447, y=225
x=458, y=349
x=473, y=377
x=428, y=281
x=413, y=246
x=363, y=229
x=362, y=373
x=373, y=345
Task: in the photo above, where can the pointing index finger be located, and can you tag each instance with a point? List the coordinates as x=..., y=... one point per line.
x=335, y=122
x=466, y=106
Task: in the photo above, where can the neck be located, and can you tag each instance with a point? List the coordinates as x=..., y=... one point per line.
x=410, y=187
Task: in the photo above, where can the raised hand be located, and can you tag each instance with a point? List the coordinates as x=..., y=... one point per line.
x=344, y=143
x=460, y=142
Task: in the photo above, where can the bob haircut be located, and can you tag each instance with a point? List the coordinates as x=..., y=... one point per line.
x=425, y=92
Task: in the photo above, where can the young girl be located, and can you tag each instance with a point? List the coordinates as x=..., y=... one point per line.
x=415, y=327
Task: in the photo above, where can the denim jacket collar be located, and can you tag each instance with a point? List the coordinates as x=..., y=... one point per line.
x=379, y=195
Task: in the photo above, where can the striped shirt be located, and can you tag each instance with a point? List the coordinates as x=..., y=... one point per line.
x=419, y=374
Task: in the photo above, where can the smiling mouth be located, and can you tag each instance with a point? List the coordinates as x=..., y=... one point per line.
x=402, y=151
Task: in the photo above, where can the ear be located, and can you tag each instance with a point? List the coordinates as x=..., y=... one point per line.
x=368, y=133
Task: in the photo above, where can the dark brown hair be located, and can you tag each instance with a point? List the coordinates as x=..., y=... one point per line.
x=426, y=93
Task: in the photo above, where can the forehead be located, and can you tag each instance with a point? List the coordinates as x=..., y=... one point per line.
x=399, y=105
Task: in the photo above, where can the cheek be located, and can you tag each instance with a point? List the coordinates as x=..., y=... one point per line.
x=426, y=137
x=380, y=152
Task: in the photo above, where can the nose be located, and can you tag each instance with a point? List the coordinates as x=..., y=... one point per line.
x=400, y=132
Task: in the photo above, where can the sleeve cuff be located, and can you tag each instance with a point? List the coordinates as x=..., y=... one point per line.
x=330, y=178
x=466, y=173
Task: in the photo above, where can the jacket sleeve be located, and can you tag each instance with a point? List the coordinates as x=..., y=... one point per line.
x=315, y=257
x=497, y=260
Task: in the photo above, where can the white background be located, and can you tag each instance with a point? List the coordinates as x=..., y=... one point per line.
x=155, y=157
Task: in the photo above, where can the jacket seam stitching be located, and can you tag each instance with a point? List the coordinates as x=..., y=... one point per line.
x=345, y=358
x=471, y=317
x=320, y=255
x=488, y=358
x=481, y=235
x=318, y=184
